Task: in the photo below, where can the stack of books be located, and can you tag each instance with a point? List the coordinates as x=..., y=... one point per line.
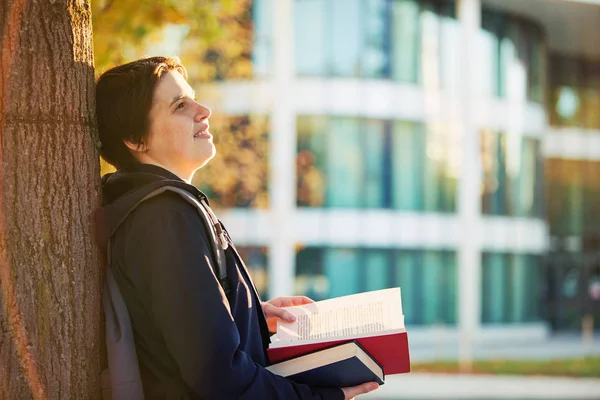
x=343, y=341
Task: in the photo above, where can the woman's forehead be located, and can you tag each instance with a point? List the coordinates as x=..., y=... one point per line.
x=172, y=86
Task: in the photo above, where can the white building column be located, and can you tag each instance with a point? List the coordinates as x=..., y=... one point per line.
x=469, y=198
x=282, y=183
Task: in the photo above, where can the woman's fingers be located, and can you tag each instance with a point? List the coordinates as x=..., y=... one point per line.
x=352, y=392
x=274, y=311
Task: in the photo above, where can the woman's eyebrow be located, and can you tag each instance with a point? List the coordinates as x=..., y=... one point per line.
x=182, y=96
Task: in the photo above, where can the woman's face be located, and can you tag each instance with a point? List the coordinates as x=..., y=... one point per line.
x=179, y=140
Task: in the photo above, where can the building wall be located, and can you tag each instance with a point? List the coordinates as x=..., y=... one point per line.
x=366, y=100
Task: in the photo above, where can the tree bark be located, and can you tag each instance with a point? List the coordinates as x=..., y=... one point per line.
x=50, y=318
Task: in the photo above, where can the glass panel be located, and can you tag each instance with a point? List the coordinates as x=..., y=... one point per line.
x=407, y=165
x=519, y=296
x=566, y=97
x=309, y=37
x=377, y=269
x=345, y=167
x=345, y=28
x=310, y=278
x=591, y=95
x=494, y=173
x=565, y=196
x=374, y=57
x=492, y=24
x=450, y=49
x=341, y=268
x=373, y=136
x=311, y=161
x=430, y=43
x=433, y=167
x=431, y=283
x=405, y=49
x=257, y=259
x=407, y=277
x=513, y=67
x=525, y=197
x=449, y=285
x=261, y=52
x=494, y=288
x=487, y=63
x=537, y=64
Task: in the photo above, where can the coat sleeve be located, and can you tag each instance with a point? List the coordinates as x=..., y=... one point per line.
x=165, y=238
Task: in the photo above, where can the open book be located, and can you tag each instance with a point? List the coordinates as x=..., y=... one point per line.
x=374, y=319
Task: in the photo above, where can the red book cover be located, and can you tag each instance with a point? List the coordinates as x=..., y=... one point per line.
x=390, y=351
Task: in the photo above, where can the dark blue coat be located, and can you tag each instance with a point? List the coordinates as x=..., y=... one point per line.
x=191, y=341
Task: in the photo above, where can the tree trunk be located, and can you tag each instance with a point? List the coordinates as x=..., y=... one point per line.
x=50, y=319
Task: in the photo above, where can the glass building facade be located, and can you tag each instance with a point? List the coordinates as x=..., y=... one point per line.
x=353, y=162
x=573, y=192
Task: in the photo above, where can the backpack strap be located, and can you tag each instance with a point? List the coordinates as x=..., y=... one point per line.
x=217, y=241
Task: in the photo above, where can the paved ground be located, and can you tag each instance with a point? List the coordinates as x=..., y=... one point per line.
x=487, y=387
x=455, y=387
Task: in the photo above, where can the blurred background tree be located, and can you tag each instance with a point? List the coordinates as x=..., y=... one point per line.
x=215, y=43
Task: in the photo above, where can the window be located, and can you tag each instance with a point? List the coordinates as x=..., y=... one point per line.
x=510, y=289
x=405, y=41
x=345, y=162
x=341, y=163
x=309, y=33
x=407, y=144
x=427, y=278
x=257, y=259
x=345, y=28
x=261, y=53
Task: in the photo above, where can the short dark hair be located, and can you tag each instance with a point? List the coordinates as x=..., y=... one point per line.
x=124, y=97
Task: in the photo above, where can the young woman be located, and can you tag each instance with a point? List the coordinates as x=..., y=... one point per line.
x=192, y=341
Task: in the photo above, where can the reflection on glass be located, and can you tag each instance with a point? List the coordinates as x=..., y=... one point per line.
x=418, y=42
x=311, y=161
x=345, y=162
x=494, y=173
x=512, y=175
x=574, y=92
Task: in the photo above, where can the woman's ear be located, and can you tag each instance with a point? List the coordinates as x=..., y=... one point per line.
x=136, y=147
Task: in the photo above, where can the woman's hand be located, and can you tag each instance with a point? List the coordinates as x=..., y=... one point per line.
x=273, y=310
x=352, y=392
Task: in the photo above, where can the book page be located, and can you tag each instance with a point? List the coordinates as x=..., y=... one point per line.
x=359, y=315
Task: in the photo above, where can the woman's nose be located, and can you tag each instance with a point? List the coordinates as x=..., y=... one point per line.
x=202, y=112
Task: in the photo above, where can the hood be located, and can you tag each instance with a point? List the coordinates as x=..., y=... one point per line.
x=123, y=190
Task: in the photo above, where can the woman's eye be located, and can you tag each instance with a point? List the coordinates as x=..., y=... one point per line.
x=180, y=105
